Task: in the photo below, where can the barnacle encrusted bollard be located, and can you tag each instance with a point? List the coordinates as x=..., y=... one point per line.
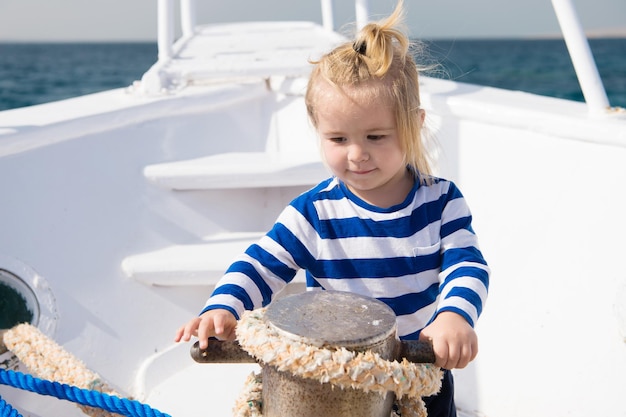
x=343, y=372
x=47, y=360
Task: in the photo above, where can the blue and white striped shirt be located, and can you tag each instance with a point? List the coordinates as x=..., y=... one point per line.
x=420, y=257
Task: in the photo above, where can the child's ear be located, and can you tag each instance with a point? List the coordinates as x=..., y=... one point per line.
x=422, y=114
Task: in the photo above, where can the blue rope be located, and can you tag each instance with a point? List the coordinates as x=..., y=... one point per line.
x=81, y=396
x=6, y=410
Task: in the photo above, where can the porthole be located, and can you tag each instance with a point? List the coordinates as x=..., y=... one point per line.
x=25, y=297
x=18, y=303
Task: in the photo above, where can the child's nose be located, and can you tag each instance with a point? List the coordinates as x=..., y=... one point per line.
x=358, y=153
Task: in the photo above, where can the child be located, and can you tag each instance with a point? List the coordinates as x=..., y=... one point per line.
x=382, y=226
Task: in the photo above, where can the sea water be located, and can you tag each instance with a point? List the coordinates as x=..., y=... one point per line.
x=536, y=66
x=39, y=73
x=35, y=73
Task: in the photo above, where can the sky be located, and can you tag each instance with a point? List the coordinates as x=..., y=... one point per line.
x=136, y=20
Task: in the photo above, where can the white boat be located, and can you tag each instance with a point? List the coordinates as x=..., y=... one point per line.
x=121, y=209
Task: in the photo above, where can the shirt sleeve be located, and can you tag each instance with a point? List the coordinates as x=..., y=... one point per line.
x=464, y=277
x=267, y=266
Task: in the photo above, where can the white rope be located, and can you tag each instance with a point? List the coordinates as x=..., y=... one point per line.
x=47, y=360
x=366, y=371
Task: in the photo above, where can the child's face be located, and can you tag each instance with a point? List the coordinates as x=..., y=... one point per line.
x=360, y=144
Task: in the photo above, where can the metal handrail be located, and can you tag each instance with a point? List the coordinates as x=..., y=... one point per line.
x=582, y=58
x=188, y=11
x=165, y=35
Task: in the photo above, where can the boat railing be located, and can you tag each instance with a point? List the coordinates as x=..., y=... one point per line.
x=582, y=58
x=188, y=11
x=166, y=24
x=571, y=28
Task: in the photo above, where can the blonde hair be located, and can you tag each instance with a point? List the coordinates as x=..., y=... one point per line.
x=380, y=64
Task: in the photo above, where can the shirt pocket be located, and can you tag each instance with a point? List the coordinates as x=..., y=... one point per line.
x=427, y=250
x=426, y=265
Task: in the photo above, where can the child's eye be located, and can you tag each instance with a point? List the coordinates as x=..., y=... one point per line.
x=375, y=137
x=337, y=139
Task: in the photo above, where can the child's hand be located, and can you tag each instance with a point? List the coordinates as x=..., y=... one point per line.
x=454, y=340
x=214, y=323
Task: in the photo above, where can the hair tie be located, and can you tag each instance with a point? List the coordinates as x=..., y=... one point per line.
x=359, y=47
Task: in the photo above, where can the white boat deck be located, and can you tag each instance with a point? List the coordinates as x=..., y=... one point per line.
x=241, y=50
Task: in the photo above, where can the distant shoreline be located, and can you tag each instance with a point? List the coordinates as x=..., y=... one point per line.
x=606, y=33
x=619, y=33
x=614, y=33
x=590, y=35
